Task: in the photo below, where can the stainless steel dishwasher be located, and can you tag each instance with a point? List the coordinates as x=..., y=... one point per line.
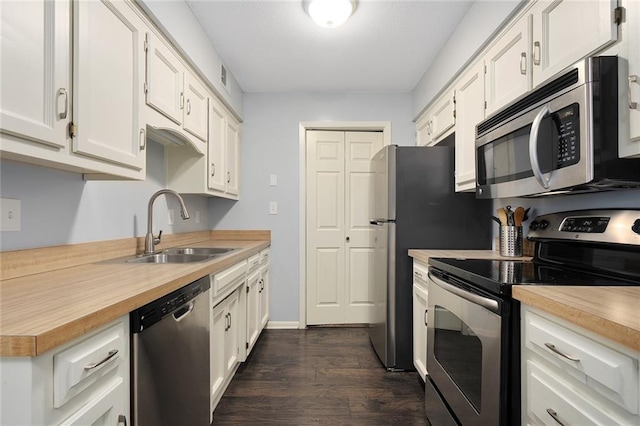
x=170, y=351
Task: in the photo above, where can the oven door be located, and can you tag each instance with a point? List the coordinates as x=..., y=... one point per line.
x=464, y=351
x=547, y=148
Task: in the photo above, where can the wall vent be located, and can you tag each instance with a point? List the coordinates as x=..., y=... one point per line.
x=223, y=75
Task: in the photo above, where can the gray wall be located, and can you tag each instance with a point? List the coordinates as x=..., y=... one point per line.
x=58, y=207
x=270, y=145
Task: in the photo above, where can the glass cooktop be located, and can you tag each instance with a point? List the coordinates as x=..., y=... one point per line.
x=497, y=276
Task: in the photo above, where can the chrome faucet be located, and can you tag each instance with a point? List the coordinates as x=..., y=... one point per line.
x=150, y=241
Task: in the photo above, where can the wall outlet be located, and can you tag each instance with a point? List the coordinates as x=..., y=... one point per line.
x=273, y=207
x=10, y=211
x=172, y=216
x=197, y=216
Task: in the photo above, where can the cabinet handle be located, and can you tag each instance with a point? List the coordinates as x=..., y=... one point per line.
x=425, y=317
x=63, y=92
x=553, y=348
x=122, y=419
x=188, y=107
x=229, y=320
x=213, y=168
x=226, y=322
x=523, y=63
x=181, y=100
x=632, y=79
x=143, y=140
x=228, y=177
x=536, y=53
x=110, y=355
x=554, y=416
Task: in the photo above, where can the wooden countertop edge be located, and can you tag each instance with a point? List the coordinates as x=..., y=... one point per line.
x=21, y=345
x=605, y=327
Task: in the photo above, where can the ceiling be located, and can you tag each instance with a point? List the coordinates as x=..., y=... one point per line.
x=273, y=46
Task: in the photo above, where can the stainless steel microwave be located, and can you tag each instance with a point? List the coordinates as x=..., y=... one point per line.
x=559, y=138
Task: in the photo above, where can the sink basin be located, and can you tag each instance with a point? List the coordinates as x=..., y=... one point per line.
x=208, y=251
x=170, y=258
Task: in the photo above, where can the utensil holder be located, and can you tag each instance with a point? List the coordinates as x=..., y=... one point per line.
x=511, y=241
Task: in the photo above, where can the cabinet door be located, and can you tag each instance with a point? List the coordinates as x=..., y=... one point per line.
x=215, y=149
x=196, y=107
x=443, y=115
x=264, y=297
x=108, y=82
x=105, y=409
x=507, y=70
x=566, y=31
x=231, y=341
x=253, y=310
x=420, y=330
x=164, y=79
x=423, y=130
x=633, y=79
x=469, y=112
x=232, y=155
x=217, y=345
x=36, y=70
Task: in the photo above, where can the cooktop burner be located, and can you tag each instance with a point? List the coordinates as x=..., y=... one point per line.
x=497, y=276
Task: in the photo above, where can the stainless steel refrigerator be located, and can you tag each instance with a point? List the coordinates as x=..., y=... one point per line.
x=416, y=207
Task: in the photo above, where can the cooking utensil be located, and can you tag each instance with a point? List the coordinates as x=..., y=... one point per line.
x=518, y=216
x=509, y=216
x=502, y=215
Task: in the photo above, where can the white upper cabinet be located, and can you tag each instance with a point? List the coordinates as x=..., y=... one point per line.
x=507, y=70
x=108, y=82
x=216, y=148
x=423, y=130
x=164, y=79
x=469, y=95
x=632, y=101
x=196, y=107
x=233, y=156
x=443, y=117
x=565, y=31
x=36, y=70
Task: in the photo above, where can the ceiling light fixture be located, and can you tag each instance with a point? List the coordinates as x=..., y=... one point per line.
x=330, y=13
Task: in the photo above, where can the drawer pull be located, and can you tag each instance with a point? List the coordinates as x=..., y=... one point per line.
x=553, y=348
x=110, y=355
x=122, y=419
x=425, y=317
x=554, y=416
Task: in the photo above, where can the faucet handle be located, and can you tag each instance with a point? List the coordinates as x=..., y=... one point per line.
x=156, y=240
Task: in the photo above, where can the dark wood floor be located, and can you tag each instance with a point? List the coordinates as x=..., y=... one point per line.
x=320, y=376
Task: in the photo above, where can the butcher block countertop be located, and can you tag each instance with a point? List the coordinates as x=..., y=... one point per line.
x=612, y=312
x=41, y=310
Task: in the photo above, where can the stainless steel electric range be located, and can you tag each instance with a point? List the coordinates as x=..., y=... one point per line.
x=473, y=332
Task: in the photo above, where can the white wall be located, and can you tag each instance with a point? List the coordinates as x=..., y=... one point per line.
x=484, y=18
x=176, y=20
x=270, y=145
x=58, y=207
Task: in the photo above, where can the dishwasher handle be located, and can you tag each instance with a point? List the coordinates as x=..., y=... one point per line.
x=182, y=312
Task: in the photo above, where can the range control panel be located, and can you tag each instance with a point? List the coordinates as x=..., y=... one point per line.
x=601, y=226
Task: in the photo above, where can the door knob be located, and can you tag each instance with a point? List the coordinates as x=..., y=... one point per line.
x=348, y=239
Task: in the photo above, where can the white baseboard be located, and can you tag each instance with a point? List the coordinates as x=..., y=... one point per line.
x=283, y=325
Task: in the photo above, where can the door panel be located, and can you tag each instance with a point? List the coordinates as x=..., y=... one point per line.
x=164, y=79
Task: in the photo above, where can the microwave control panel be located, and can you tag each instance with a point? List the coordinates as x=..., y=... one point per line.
x=592, y=225
x=567, y=125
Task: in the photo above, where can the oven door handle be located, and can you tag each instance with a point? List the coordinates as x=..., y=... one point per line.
x=487, y=303
x=533, y=146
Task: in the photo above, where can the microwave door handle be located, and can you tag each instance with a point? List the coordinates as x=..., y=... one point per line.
x=533, y=146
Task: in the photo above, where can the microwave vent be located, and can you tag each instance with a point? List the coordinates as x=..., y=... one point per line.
x=550, y=89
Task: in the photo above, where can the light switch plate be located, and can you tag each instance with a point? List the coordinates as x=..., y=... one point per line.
x=197, y=216
x=273, y=180
x=10, y=219
x=273, y=207
x=172, y=216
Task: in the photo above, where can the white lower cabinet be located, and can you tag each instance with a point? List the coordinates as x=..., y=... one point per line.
x=264, y=291
x=420, y=299
x=631, y=147
x=83, y=382
x=253, y=310
x=572, y=376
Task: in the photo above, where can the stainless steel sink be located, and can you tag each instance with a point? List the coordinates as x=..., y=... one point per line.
x=208, y=251
x=170, y=258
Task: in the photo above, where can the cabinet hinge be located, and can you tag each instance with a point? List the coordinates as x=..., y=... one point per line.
x=73, y=130
x=454, y=113
x=485, y=104
x=247, y=289
x=146, y=42
x=485, y=68
x=618, y=15
x=246, y=345
x=146, y=88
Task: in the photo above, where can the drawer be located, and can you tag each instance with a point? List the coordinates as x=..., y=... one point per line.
x=605, y=370
x=105, y=409
x=548, y=396
x=225, y=279
x=420, y=274
x=254, y=262
x=83, y=364
x=264, y=256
